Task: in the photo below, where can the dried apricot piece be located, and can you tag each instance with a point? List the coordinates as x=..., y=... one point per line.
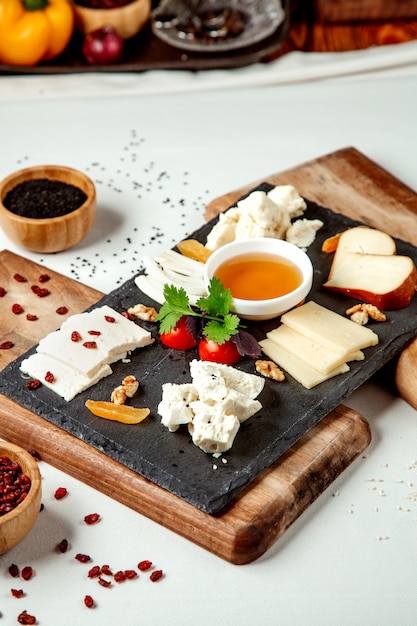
x=330, y=244
x=117, y=412
x=194, y=250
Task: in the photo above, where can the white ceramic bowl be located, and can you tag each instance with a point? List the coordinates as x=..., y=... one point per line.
x=264, y=309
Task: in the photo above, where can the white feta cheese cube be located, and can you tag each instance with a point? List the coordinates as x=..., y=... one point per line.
x=211, y=429
x=174, y=407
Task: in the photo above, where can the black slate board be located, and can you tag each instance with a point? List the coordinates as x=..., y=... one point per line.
x=170, y=460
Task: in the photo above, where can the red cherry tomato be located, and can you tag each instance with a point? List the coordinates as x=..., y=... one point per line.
x=179, y=337
x=225, y=353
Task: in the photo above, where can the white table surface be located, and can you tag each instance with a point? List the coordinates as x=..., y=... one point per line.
x=157, y=159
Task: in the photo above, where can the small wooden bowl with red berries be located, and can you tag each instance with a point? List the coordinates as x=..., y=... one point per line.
x=20, y=494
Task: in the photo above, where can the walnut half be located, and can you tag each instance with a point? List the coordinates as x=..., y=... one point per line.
x=269, y=369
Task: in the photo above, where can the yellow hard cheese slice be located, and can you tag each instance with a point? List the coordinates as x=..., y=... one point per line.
x=301, y=371
x=315, y=354
x=330, y=329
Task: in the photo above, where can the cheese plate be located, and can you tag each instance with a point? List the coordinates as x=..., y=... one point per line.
x=288, y=410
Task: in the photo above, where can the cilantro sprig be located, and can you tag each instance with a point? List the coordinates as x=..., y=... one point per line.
x=219, y=324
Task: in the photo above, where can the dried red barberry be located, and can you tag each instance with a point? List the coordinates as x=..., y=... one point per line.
x=83, y=558
x=60, y=493
x=94, y=332
x=41, y=292
x=34, y=384
x=62, y=310
x=31, y=317
x=17, y=309
x=6, y=345
x=89, y=602
x=17, y=593
x=43, y=278
x=62, y=546
x=144, y=565
x=128, y=315
x=14, y=485
x=94, y=571
x=25, y=618
x=110, y=319
x=92, y=518
x=2, y=292
x=20, y=278
x=119, y=576
x=103, y=582
x=49, y=377
x=156, y=575
x=75, y=336
x=27, y=572
x=105, y=569
x=130, y=574
x=91, y=345
x=14, y=570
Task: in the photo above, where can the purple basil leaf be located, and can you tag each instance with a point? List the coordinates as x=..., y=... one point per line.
x=194, y=327
x=246, y=344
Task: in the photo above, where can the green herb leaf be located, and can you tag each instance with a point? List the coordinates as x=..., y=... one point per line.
x=221, y=331
x=218, y=301
x=175, y=306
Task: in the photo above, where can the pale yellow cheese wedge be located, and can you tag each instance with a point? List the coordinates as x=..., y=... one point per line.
x=314, y=353
x=332, y=330
x=301, y=371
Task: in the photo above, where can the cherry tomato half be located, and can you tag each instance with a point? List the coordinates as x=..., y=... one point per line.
x=179, y=337
x=225, y=353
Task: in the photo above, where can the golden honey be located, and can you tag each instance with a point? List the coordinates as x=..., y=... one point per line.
x=259, y=276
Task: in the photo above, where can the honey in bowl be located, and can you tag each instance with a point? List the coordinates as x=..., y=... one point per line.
x=259, y=276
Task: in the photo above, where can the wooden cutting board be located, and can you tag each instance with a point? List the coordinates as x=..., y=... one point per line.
x=268, y=506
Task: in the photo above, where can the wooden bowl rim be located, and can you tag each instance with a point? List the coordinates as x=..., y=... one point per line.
x=25, y=174
x=20, y=455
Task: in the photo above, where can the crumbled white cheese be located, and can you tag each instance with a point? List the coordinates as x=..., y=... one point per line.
x=303, y=232
x=219, y=398
x=288, y=196
x=260, y=214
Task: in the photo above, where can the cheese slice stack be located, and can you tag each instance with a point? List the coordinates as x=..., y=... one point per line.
x=314, y=344
x=105, y=336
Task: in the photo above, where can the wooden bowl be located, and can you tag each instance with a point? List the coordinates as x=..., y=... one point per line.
x=127, y=20
x=52, y=234
x=15, y=525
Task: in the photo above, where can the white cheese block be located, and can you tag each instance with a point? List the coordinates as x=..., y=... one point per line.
x=312, y=352
x=336, y=332
x=303, y=373
x=67, y=382
x=174, y=407
x=239, y=404
x=211, y=429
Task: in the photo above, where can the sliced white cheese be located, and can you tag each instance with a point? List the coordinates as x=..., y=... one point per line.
x=303, y=373
x=312, y=352
x=336, y=332
x=67, y=382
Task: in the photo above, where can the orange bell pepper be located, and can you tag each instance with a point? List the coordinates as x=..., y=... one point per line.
x=34, y=30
